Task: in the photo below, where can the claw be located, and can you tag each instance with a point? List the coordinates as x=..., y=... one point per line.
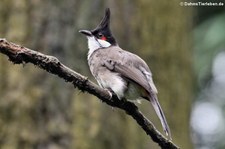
x=110, y=93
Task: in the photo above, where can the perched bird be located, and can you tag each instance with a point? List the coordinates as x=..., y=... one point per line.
x=120, y=71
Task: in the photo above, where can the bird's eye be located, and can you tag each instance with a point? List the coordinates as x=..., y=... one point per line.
x=100, y=35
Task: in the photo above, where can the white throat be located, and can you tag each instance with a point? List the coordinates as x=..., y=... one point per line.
x=94, y=44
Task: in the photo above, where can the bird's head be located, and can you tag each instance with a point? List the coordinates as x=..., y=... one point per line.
x=101, y=36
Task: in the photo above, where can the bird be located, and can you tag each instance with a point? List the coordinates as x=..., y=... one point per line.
x=120, y=71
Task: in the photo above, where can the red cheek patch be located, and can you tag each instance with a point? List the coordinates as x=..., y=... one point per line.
x=103, y=38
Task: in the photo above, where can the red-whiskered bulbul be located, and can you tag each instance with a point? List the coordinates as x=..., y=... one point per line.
x=120, y=71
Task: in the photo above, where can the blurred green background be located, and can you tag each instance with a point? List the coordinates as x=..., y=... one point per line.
x=183, y=45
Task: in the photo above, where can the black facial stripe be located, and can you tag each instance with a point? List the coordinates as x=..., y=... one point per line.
x=98, y=42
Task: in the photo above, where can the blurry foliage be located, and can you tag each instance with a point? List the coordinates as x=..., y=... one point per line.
x=38, y=110
x=209, y=39
x=209, y=47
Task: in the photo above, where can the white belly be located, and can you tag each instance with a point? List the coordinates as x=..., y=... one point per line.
x=112, y=81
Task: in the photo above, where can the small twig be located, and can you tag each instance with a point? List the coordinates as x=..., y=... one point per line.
x=21, y=55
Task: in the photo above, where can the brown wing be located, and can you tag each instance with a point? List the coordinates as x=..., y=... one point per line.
x=133, y=74
x=130, y=66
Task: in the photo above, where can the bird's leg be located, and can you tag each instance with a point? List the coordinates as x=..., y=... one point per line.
x=110, y=91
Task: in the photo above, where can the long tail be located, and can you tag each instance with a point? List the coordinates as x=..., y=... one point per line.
x=160, y=114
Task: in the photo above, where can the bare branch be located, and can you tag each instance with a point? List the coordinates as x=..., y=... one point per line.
x=21, y=55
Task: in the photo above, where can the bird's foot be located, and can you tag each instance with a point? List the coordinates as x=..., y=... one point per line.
x=110, y=93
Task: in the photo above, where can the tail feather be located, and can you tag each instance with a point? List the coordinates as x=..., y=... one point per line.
x=160, y=114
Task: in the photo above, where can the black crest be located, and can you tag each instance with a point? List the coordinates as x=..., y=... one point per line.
x=104, y=28
x=105, y=22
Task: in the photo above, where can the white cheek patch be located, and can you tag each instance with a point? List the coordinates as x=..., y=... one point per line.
x=104, y=43
x=94, y=44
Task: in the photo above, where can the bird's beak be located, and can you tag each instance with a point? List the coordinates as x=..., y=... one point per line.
x=85, y=32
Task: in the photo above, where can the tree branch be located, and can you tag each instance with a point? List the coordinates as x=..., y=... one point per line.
x=21, y=55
